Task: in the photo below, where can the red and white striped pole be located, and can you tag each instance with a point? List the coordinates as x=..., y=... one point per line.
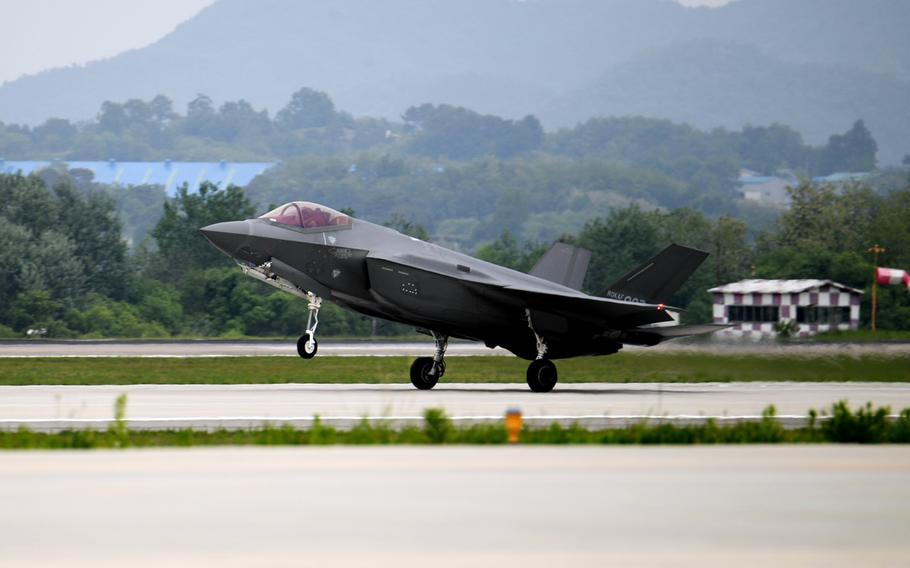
x=875, y=250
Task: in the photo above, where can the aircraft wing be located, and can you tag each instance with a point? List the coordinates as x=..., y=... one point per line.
x=582, y=307
x=535, y=294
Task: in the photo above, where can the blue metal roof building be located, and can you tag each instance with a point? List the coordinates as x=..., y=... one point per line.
x=169, y=174
x=841, y=177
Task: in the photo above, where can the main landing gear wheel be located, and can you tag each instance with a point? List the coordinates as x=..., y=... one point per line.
x=307, y=346
x=425, y=372
x=542, y=375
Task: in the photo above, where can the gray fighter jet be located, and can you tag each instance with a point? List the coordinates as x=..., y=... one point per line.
x=317, y=253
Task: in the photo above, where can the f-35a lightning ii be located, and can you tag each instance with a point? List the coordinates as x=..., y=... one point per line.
x=318, y=253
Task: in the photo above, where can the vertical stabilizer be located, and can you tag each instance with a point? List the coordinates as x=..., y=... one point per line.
x=564, y=264
x=659, y=278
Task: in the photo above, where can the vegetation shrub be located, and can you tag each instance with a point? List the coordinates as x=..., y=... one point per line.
x=866, y=425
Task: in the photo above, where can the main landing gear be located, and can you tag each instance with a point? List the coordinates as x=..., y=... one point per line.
x=307, y=344
x=542, y=375
x=426, y=371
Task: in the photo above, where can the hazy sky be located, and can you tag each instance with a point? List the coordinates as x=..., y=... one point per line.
x=41, y=34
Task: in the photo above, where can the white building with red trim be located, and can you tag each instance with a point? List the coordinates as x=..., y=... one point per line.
x=753, y=307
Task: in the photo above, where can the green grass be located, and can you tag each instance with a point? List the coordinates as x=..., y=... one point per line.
x=866, y=425
x=862, y=336
x=623, y=367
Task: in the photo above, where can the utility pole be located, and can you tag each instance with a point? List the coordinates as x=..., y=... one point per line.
x=875, y=250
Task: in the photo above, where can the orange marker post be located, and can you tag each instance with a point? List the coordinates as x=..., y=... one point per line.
x=513, y=424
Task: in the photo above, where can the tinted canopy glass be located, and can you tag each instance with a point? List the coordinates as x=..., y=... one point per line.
x=307, y=216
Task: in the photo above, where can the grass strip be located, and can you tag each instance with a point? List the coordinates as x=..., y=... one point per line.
x=867, y=425
x=620, y=368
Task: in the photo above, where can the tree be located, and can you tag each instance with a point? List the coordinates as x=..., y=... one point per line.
x=462, y=134
x=239, y=119
x=768, y=149
x=56, y=134
x=505, y=251
x=112, y=117
x=92, y=223
x=162, y=109
x=407, y=227
x=201, y=119
x=825, y=234
x=853, y=151
x=61, y=245
x=180, y=244
x=139, y=114
x=730, y=253
x=824, y=217
x=307, y=109
x=618, y=243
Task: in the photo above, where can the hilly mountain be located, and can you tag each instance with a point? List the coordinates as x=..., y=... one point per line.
x=507, y=57
x=712, y=83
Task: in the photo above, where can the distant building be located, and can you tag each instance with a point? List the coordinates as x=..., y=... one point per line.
x=168, y=174
x=767, y=190
x=841, y=178
x=754, y=306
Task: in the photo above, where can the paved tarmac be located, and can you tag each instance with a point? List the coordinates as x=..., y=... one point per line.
x=232, y=349
x=42, y=348
x=834, y=505
x=595, y=405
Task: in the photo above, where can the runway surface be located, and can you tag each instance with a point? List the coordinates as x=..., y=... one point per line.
x=42, y=348
x=233, y=349
x=744, y=506
x=595, y=405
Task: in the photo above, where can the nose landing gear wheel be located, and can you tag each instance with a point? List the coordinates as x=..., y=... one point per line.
x=307, y=346
x=425, y=372
x=542, y=375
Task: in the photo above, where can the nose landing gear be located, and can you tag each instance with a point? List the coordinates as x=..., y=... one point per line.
x=426, y=371
x=307, y=346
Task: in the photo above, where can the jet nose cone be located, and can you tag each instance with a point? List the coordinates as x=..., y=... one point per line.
x=229, y=236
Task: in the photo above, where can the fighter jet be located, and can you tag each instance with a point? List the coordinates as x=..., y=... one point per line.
x=319, y=254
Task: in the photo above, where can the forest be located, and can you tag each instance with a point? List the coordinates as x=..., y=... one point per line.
x=88, y=260
x=477, y=175
x=311, y=125
x=68, y=270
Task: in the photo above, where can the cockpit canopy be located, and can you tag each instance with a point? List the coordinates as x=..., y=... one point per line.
x=307, y=215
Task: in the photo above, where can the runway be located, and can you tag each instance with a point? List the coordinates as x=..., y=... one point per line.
x=595, y=405
x=330, y=348
x=835, y=505
x=286, y=348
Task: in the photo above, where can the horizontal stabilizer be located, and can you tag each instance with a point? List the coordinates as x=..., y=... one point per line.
x=656, y=280
x=653, y=335
x=564, y=264
x=673, y=331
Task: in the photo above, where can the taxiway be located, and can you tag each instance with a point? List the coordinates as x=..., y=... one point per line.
x=595, y=405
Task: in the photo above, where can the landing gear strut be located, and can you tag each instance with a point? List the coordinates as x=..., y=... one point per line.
x=542, y=375
x=307, y=344
x=426, y=371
